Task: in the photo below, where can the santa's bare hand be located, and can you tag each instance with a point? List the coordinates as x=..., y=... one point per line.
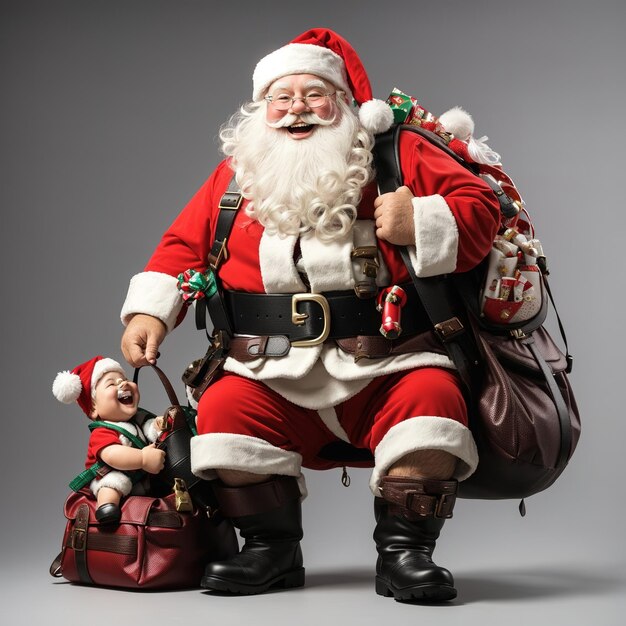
x=142, y=338
x=152, y=459
x=394, y=217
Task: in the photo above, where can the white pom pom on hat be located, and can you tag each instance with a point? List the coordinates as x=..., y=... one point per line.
x=458, y=122
x=66, y=387
x=376, y=116
x=324, y=53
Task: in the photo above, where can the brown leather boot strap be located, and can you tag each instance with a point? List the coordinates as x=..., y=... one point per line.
x=253, y=499
x=427, y=498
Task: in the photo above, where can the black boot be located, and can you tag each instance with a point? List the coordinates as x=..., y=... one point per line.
x=409, y=517
x=108, y=514
x=269, y=519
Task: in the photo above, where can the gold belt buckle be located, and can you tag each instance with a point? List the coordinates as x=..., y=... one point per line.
x=298, y=318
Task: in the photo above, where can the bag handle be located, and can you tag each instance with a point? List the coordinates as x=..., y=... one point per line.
x=169, y=390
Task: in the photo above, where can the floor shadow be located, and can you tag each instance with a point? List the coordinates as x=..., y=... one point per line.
x=534, y=583
x=485, y=585
x=353, y=577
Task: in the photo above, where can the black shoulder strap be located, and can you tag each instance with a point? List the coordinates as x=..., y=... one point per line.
x=434, y=292
x=228, y=207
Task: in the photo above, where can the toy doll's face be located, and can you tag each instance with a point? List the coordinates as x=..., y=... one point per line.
x=116, y=398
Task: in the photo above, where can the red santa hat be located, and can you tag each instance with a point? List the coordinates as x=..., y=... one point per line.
x=326, y=54
x=79, y=384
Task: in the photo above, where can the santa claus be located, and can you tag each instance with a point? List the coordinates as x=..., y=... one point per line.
x=307, y=375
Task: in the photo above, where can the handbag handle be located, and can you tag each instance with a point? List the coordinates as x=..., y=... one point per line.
x=169, y=390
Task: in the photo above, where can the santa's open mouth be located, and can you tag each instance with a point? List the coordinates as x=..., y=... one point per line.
x=125, y=397
x=300, y=128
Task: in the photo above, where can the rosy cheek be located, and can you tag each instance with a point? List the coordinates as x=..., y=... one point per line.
x=273, y=115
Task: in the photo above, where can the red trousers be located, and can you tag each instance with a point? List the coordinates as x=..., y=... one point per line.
x=243, y=424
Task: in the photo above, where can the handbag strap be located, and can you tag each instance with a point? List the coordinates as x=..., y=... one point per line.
x=169, y=390
x=79, y=537
x=559, y=403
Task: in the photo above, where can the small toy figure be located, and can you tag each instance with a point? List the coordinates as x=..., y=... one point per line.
x=105, y=394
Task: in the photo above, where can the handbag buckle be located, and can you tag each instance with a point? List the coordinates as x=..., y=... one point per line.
x=182, y=497
x=79, y=539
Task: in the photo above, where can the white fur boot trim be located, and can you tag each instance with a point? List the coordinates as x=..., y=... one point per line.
x=436, y=237
x=115, y=480
x=425, y=433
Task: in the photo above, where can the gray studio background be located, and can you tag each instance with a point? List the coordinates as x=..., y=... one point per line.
x=109, y=116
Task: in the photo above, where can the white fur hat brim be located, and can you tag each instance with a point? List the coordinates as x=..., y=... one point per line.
x=299, y=58
x=102, y=367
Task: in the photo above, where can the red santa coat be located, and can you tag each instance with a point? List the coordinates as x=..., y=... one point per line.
x=456, y=217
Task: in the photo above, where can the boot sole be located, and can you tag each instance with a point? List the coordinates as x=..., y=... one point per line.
x=289, y=580
x=425, y=593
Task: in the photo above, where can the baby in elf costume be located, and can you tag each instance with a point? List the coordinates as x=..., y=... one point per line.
x=104, y=393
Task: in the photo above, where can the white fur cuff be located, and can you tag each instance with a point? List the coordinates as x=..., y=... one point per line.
x=425, y=433
x=240, y=452
x=115, y=480
x=153, y=293
x=150, y=430
x=436, y=237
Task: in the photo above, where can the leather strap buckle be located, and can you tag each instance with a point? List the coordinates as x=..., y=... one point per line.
x=365, y=277
x=299, y=318
x=79, y=539
x=425, y=505
x=448, y=329
x=215, y=260
x=445, y=505
x=231, y=201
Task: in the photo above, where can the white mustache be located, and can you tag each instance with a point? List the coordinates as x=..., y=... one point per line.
x=307, y=118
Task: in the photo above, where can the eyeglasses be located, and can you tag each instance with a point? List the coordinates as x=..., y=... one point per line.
x=283, y=102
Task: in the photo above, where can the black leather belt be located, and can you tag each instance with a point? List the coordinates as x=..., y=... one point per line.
x=310, y=318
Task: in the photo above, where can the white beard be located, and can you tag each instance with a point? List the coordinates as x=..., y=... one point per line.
x=299, y=185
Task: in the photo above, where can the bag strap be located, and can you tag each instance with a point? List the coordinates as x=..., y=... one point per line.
x=559, y=403
x=432, y=291
x=167, y=385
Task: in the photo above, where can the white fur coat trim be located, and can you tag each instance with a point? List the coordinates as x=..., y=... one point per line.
x=425, y=433
x=328, y=264
x=115, y=480
x=436, y=237
x=278, y=270
x=324, y=376
x=153, y=293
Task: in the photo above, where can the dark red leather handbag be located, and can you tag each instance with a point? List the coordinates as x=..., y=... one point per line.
x=153, y=547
